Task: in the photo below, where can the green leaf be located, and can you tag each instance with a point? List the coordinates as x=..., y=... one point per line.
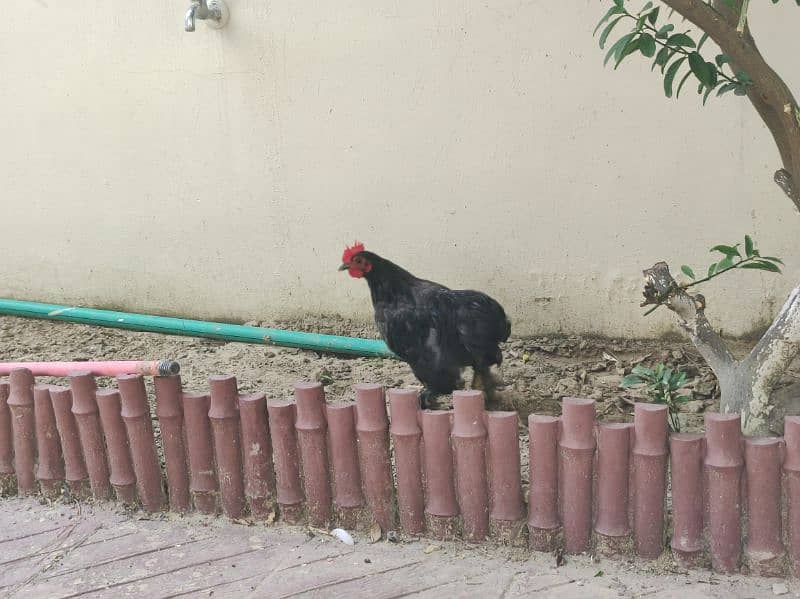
x=680, y=85
x=647, y=45
x=614, y=10
x=702, y=41
x=630, y=381
x=688, y=271
x=629, y=49
x=643, y=15
x=701, y=69
x=708, y=93
x=722, y=59
x=712, y=269
x=725, y=263
x=643, y=371
x=664, y=31
x=680, y=39
x=618, y=47
x=670, y=76
x=748, y=246
x=743, y=77
x=726, y=88
x=728, y=250
x=661, y=58
x=683, y=398
x=762, y=266
x=713, y=70
x=768, y=266
x=607, y=30
x=672, y=52
x=653, y=16
x=772, y=259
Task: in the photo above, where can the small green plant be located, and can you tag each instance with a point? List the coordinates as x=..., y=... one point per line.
x=663, y=385
x=731, y=259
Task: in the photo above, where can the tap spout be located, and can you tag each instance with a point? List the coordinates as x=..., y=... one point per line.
x=199, y=9
x=188, y=21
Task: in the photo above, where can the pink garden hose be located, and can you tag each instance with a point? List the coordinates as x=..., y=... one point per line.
x=111, y=368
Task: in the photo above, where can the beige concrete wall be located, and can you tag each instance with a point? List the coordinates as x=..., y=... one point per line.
x=220, y=173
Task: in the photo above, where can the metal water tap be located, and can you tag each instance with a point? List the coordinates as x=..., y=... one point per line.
x=214, y=12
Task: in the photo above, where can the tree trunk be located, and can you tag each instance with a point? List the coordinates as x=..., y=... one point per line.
x=746, y=386
x=769, y=94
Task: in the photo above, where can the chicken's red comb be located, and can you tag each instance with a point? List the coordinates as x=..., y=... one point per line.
x=349, y=252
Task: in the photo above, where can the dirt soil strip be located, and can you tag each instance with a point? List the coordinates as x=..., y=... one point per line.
x=537, y=371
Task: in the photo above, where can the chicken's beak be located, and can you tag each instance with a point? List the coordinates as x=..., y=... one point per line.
x=344, y=267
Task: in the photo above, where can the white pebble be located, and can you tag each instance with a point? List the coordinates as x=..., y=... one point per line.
x=343, y=536
x=779, y=588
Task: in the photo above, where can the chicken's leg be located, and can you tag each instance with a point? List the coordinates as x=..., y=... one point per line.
x=479, y=379
x=427, y=399
x=483, y=380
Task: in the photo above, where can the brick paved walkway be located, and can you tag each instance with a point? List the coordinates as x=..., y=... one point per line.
x=62, y=551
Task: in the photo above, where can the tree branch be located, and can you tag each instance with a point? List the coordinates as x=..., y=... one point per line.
x=660, y=288
x=769, y=95
x=783, y=178
x=742, y=25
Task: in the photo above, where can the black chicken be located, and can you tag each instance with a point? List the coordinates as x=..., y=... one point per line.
x=438, y=331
